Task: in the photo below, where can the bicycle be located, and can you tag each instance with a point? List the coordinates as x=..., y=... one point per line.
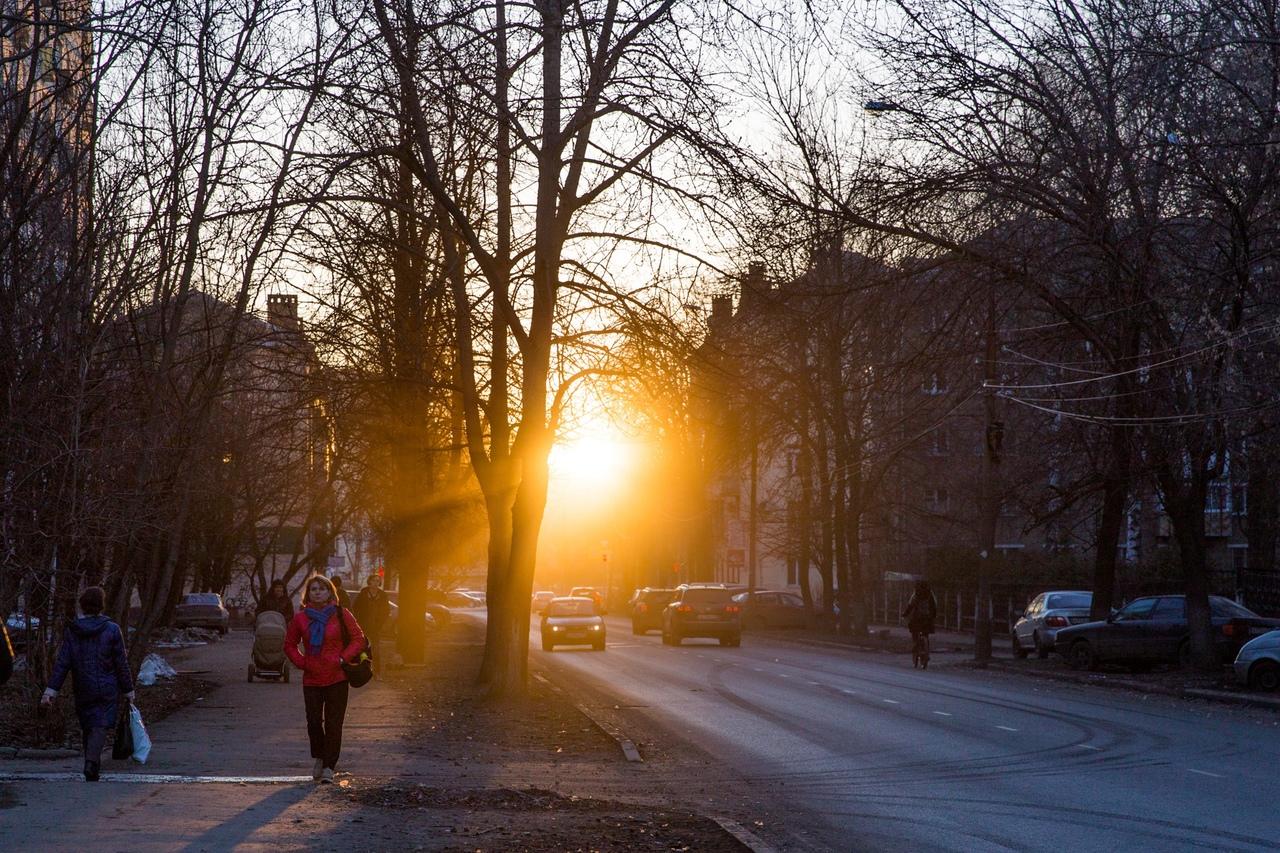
x=920, y=651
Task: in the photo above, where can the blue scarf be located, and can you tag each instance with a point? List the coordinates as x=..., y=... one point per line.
x=319, y=619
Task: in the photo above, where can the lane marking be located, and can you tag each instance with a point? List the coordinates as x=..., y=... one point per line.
x=814, y=683
x=942, y=713
x=1203, y=773
x=756, y=669
x=1007, y=728
x=848, y=692
x=1094, y=748
x=783, y=675
x=892, y=701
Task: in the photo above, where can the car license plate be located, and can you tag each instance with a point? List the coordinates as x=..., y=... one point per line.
x=708, y=617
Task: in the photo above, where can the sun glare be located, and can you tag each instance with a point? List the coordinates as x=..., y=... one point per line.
x=597, y=459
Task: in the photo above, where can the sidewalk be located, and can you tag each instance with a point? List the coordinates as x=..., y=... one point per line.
x=423, y=768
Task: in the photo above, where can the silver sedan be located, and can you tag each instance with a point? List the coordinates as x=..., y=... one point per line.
x=1258, y=662
x=1046, y=613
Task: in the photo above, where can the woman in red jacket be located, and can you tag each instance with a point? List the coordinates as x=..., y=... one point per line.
x=324, y=684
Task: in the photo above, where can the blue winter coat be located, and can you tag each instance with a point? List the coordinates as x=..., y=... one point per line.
x=93, y=652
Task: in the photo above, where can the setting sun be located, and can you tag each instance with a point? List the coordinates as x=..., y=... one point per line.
x=597, y=459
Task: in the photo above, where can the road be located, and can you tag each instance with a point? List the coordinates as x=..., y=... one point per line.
x=868, y=754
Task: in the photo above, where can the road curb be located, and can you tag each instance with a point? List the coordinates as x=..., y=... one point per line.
x=1222, y=696
x=628, y=747
x=25, y=754
x=748, y=839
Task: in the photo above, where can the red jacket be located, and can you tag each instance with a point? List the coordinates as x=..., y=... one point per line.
x=325, y=668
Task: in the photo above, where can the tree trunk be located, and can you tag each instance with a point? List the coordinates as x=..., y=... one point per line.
x=1115, y=496
x=1263, y=505
x=1185, y=502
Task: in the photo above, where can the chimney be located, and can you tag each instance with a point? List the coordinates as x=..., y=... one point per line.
x=282, y=311
x=754, y=288
x=721, y=312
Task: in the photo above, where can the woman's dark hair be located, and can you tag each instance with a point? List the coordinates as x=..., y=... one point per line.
x=922, y=588
x=276, y=582
x=92, y=600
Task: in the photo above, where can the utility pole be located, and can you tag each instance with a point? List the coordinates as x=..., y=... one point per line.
x=993, y=439
x=752, y=522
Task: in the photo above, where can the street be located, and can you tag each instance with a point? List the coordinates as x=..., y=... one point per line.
x=865, y=753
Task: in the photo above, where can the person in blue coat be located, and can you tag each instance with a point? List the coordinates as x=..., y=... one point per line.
x=93, y=652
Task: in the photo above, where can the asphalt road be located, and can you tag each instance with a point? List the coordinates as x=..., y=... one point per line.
x=866, y=753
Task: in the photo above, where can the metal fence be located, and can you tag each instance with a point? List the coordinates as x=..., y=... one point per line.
x=957, y=605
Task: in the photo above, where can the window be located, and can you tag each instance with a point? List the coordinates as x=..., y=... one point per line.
x=789, y=600
x=934, y=385
x=937, y=500
x=1139, y=609
x=1172, y=609
x=793, y=571
x=940, y=442
x=1071, y=601
x=1239, y=559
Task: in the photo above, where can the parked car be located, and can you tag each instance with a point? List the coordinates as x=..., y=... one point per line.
x=541, y=599
x=19, y=626
x=432, y=619
x=646, y=609
x=702, y=611
x=202, y=610
x=591, y=593
x=478, y=594
x=1048, y=612
x=768, y=608
x=572, y=621
x=1154, y=629
x=1258, y=662
x=462, y=600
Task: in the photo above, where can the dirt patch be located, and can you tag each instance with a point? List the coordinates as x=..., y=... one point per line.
x=533, y=819
x=528, y=748
x=21, y=727
x=456, y=722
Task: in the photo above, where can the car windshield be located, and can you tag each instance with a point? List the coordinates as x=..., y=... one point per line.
x=571, y=607
x=583, y=591
x=201, y=598
x=657, y=595
x=1070, y=601
x=1225, y=607
x=707, y=596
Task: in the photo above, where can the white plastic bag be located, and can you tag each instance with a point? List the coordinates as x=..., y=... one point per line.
x=141, y=740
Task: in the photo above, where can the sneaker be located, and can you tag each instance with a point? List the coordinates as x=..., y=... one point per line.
x=316, y=770
x=326, y=775
x=91, y=771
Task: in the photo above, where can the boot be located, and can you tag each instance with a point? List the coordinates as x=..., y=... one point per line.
x=91, y=769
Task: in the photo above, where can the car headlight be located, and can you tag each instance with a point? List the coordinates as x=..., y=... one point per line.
x=556, y=628
x=595, y=627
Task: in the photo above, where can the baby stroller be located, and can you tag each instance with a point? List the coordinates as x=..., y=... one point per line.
x=268, y=648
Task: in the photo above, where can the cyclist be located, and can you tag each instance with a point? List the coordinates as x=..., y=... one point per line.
x=920, y=613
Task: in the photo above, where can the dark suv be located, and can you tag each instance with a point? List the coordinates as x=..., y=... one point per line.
x=646, y=609
x=702, y=611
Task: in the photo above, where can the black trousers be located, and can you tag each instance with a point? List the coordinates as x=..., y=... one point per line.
x=326, y=708
x=93, y=739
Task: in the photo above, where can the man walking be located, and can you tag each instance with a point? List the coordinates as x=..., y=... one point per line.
x=372, y=609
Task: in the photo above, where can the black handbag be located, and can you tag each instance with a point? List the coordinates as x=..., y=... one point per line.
x=361, y=672
x=122, y=748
